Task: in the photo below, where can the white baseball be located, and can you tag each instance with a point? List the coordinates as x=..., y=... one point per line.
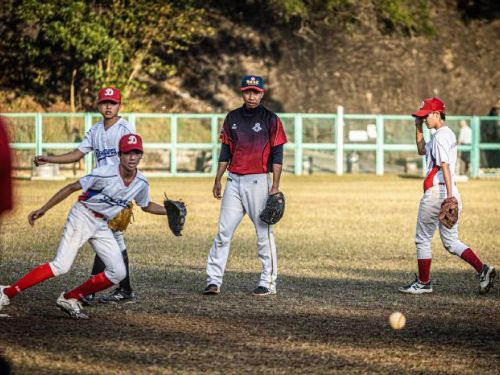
x=397, y=320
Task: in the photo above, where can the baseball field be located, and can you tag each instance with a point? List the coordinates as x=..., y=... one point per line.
x=344, y=247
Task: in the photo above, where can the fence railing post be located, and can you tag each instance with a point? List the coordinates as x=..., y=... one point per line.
x=38, y=134
x=339, y=132
x=298, y=144
x=475, y=152
x=215, y=140
x=88, y=157
x=131, y=121
x=173, y=149
x=379, y=164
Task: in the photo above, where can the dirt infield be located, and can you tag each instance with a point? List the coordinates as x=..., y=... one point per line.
x=344, y=247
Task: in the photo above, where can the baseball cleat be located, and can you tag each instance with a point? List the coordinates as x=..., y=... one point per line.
x=119, y=296
x=417, y=287
x=88, y=300
x=4, y=299
x=71, y=306
x=211, y=290
x=263, y=291
x=486, y=278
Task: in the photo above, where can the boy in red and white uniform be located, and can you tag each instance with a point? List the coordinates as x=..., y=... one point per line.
x=106, y=190
x=103, y=138
x=439, y=184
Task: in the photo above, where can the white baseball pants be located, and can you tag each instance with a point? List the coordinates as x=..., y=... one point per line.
x=428, y=222
x=244, y=194
x=82, y=226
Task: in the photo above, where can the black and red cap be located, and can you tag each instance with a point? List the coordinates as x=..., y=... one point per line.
x=252, y=83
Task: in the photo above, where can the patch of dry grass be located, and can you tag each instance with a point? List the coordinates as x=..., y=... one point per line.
x=344, y=246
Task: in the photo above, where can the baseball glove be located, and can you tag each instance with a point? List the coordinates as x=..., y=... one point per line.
x=274, y=210
x=176, y=213
x=121, y=221
x=448, y=216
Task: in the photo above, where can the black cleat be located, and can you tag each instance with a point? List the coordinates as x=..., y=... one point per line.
x=211, y=290
x=119, y=296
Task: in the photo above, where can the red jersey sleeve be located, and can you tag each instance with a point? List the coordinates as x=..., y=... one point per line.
x=225, y=135
x=278, y=135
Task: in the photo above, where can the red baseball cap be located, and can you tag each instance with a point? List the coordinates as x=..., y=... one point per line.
x=430, y=105
x=109, y=93
x=131, y=142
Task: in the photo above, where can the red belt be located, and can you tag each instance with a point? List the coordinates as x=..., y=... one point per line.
x=96, y=214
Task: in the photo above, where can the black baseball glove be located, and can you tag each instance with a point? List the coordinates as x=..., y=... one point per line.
x=274, y=210
x=176, y=213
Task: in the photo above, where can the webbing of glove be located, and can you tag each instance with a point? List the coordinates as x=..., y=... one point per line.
x=176, y=213
x=448, y=216
x=274, y=210
x=121, y=221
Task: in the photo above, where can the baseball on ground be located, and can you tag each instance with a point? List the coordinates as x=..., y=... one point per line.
x=397, y=320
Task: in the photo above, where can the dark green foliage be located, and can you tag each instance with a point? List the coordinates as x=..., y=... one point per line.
x=88, y=44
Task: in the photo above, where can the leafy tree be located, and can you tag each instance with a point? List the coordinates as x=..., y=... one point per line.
x=73, y=45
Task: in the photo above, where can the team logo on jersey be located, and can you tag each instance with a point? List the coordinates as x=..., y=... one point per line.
x=256, y=128
x=106, y=153
x=109, y=92
x=234, y=126
x=132, y=140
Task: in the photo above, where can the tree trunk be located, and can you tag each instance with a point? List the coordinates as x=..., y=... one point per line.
x=137, y=65
x=72, y=91
x=69, y=125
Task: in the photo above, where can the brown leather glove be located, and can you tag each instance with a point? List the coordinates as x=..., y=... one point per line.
x=448, y=216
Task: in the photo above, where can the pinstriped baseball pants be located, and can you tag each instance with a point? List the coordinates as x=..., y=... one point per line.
x=244, y=194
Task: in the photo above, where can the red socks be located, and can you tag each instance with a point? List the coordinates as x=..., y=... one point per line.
x=424, y=270
x=36, y=276
x=470, y=257
x=93, y=285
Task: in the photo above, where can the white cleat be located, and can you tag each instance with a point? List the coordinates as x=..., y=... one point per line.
x=417, y=287
x=4, y=299
x=71, y=306
x=486, y=278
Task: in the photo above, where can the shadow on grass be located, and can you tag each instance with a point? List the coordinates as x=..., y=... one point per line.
x=312, y=325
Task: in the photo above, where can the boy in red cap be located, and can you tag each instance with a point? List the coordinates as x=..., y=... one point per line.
x=106, y=190
x=439, y=184
x=102, y=138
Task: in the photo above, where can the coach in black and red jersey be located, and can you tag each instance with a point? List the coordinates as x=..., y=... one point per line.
x=252, y=147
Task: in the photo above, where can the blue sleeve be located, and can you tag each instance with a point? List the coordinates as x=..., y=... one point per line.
x=225, y=153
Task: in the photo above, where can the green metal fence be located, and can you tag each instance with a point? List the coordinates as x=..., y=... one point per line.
x=188, y=144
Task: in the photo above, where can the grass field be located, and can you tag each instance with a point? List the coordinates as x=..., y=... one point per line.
x=344, y=247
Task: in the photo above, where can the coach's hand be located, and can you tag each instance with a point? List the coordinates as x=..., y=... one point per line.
x=35, y=215
x=217, y=190
x=40, y=160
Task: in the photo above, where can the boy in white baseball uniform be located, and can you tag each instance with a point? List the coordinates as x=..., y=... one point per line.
x=439, y=184
x=105, y=192
x=102, y=138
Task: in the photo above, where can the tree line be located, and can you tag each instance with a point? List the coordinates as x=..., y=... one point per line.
x=54, y=49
